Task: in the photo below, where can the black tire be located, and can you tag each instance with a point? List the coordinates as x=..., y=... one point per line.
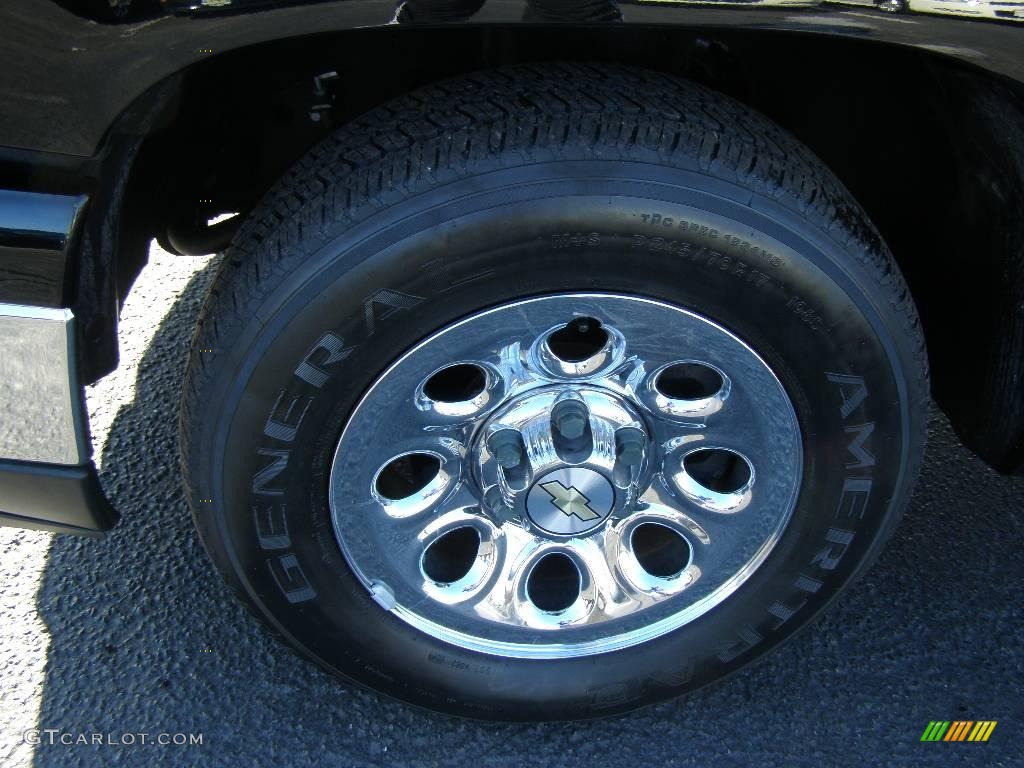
x=484, y=189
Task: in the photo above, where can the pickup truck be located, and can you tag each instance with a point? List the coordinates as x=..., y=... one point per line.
x=564, y=355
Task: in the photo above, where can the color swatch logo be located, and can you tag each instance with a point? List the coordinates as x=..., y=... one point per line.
x=958, y=730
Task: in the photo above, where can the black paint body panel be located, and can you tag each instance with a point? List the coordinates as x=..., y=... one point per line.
x=64, y=79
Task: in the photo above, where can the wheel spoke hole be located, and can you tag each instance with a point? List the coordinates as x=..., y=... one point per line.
x=451, y=556
x=661, y=551
x=407, y=475
x=689, y=381
x=456, y=383
x=554, y=583
x=718, y=469
x=578, y=340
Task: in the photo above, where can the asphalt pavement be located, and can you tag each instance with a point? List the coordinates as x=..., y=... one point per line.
x=135, y=633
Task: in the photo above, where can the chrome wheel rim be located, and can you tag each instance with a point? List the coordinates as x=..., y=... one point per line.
x=565, y=475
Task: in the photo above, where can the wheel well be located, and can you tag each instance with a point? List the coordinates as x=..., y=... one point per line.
x=933, y=150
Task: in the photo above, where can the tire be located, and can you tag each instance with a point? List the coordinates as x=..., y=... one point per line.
x=501, y=187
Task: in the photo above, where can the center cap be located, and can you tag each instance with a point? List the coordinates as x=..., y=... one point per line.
x=570, y=501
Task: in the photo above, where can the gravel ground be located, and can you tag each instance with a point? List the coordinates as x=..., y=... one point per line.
x=134, y=633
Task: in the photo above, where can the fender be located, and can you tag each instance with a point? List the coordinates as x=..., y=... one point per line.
x=66, y=78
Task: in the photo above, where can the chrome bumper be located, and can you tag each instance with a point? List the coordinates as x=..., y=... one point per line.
x=41, y=413
x=47, y=478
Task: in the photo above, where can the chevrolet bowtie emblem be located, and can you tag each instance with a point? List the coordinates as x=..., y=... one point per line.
x=569, y=500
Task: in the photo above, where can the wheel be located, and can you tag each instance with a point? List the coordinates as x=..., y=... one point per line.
x=550, y=392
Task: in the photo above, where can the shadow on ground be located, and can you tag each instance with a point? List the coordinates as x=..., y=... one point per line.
x=145, y=639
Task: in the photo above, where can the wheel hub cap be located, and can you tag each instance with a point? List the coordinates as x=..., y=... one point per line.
x=570, y=501
x=561, y=457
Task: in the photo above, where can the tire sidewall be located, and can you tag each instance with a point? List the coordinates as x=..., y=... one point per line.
x=358, y=298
